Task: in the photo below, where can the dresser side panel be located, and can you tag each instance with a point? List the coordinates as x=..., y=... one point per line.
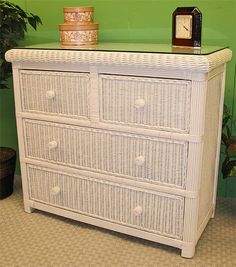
x=210, y=148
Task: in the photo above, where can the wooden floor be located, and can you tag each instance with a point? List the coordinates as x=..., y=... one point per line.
x=42, y=239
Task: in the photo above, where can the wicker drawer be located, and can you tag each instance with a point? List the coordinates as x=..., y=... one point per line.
x=55, y=93
x=162, y=104
x=146, y=210
x=156, y=160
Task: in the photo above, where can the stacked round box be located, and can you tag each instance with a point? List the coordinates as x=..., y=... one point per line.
x=78, y=27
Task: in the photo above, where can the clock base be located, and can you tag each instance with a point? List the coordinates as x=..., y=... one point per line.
x=186, y=49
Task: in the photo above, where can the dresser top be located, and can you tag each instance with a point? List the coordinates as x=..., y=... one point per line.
x=130, y=47
x=155, y=56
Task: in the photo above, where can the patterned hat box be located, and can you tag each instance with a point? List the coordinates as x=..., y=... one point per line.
x=81, y=15
x=78, y=28
x=78, y=34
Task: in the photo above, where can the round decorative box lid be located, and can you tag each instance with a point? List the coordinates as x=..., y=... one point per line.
x=78, y=27
x=78, y=9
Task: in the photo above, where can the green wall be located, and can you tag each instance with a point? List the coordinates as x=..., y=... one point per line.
x=132, y=21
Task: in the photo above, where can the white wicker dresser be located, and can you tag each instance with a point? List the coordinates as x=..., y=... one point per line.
x=125, y=140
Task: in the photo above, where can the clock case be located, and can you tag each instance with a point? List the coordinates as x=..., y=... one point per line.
x=195, y=41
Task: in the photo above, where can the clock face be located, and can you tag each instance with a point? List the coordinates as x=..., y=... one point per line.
x=183, y=27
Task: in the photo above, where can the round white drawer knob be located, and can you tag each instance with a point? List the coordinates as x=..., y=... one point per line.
x=55, y=190
x=52, y=145
x=50, y=94
x=139, y=103
x=138, y=210
x=140, y=160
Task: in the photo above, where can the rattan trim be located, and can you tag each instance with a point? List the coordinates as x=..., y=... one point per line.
x=147, y=60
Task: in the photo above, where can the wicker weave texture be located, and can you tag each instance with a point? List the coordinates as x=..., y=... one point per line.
x=151, y=159
x=146, y=102
x=150, y=211
x=147, y=60
x=58, y=93
x=116, y=139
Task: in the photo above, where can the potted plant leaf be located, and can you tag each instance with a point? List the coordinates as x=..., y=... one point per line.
x=13, y=26
x=229, y=141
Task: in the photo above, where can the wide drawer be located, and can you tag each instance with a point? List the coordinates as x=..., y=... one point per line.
x=145, y=102
x=156, y=160
x=146, y=210
x=55, y=93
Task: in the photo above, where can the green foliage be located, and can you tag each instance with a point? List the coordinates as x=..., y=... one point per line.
x=13, y=26
x=229, y=141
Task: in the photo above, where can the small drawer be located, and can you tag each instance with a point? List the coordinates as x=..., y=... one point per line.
x=156, y=160
x=162, y=104
x=55, y=93
x=141, y=209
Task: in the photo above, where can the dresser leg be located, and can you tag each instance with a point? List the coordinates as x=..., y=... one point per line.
x=213, y=215
x=213, y=212
x=28, y=208
x=188, y=251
